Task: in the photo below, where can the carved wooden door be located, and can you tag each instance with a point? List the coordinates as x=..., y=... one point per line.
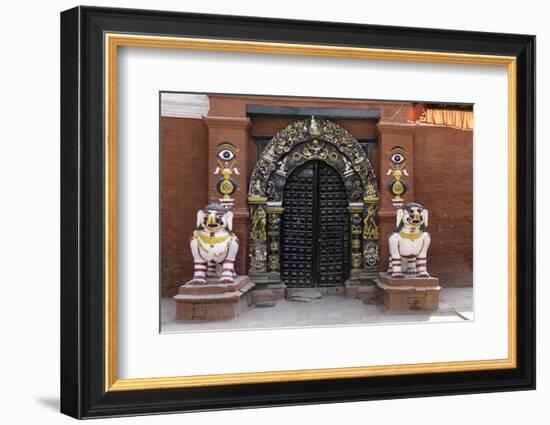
x=315, y=228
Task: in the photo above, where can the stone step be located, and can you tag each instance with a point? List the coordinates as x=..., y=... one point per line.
x=213, y=287
x=303, y=294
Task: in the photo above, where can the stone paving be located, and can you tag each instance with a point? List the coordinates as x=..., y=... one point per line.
x=456, y=304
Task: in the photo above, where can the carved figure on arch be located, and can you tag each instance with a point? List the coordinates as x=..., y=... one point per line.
x=258, y=224
x=370, y=225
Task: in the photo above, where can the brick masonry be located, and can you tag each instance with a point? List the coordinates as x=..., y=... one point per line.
x=184, y=171
x=444, y=184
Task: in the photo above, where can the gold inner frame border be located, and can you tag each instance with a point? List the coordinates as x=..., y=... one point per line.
x=111, y=43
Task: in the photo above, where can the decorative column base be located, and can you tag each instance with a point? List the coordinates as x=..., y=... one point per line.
x=360, y=284
x=355, y=275
x=362, y=290
x=269, y=289
x=265, y=278
x=409, y=293
x=368, y=276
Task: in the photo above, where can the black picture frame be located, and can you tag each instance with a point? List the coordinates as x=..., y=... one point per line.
x=83, y=392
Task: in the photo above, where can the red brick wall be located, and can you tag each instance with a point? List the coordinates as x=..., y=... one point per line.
x=443, y=166
x=184, y=171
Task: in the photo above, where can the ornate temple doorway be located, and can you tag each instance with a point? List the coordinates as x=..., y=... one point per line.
x=313, y=202
x=315, y=243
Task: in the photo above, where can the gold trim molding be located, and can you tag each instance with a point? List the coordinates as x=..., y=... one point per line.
x=305, y=375
x=113, y=41
x=256, y=200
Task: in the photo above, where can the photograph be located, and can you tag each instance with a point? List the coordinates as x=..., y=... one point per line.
x=294, y=212
x=269, y=211
x=275, y=213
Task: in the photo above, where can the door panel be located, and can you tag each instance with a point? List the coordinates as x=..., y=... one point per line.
x=315, y=229
x=333, y=224
x=298, y=260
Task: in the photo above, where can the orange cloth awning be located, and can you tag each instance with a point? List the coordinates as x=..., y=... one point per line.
x=456, y=118
x=432, y=114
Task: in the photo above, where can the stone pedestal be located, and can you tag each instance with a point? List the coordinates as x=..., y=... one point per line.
x=409, y=293
x=213, y=301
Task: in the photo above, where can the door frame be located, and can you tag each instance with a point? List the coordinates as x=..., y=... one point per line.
x=298, y=143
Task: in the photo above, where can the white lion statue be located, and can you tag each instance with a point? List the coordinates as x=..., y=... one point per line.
x=409, y=243
x=214, y=245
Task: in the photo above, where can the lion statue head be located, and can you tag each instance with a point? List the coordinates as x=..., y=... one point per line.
x=413, y=216
x=214, y=217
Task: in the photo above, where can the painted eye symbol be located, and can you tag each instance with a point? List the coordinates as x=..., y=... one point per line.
x=397, y=158
x=226, y=154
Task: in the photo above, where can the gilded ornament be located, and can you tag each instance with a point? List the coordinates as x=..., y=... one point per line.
x=371, y=194
x=318, y=134
x=371, y=254
x=356, y=192
x=257, y=225
x=411, y=236
x=273, y=262
x=274, y=220
x=356, y=260
x=257, y=255
x=226, y=185
x=212, y=240
x=370, y=223
x=397, y=186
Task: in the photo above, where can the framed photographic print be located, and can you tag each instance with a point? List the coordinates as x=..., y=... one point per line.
x=261, y=212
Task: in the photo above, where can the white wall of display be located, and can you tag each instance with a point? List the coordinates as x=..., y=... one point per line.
x=144, y=72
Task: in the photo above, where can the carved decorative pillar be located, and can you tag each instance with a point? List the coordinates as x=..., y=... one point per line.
x=274, y=214
x=235, y=131
x=371, y=254
x=257, y=240
x=392, y=134
x=356, y=228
